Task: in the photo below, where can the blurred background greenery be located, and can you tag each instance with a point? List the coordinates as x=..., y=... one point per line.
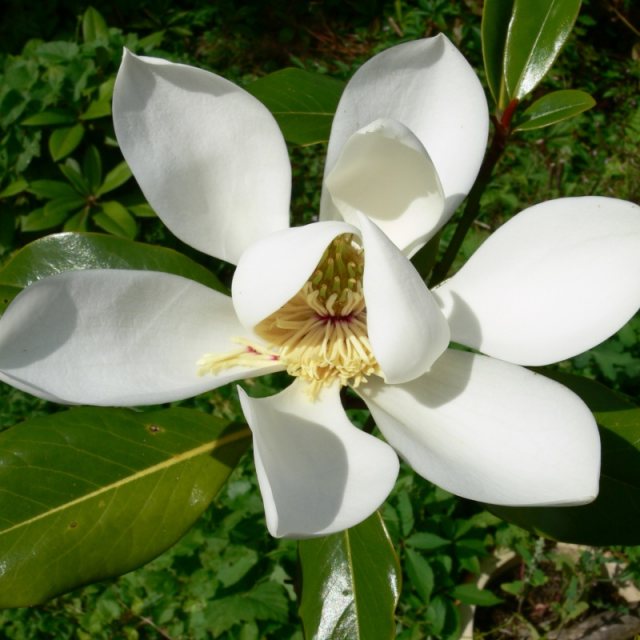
x=60, y=169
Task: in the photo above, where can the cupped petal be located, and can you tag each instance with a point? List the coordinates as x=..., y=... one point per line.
x=318, y=474
x=428, y=86
x=552, y=282
x=491, y=431
x=385, y=172
x=406, y=328
x=275, y=268
x=118, y=337
x=208, y=156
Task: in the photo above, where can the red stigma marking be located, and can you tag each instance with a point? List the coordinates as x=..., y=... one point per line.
x=251, y=350
x=274, y=357
x=335, y=319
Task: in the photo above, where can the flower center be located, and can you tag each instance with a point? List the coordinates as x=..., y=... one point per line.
x=321, y=333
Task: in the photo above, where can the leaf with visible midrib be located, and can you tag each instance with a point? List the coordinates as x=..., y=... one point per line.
x=92, y=493
x=351, y=584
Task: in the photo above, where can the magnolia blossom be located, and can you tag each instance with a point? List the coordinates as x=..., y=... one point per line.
x=337, y=303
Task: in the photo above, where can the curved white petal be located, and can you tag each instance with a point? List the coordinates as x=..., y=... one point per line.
x=554, y=281
x=318, y=473
x=34, y=391
x=428, y=86
x=208, y=156
x=491, y=431
x=384, y=172
x=406, y=329
x=117, y=337
x=275, y=268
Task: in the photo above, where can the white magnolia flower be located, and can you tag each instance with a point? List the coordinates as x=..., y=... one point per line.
x=337, y=302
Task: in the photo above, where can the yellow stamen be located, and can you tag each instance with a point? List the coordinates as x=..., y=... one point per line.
x=321, y=333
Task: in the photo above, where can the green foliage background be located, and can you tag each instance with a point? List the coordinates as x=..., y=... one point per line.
x=227, y=578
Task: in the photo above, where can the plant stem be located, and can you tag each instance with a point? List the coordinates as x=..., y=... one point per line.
x=502, y=130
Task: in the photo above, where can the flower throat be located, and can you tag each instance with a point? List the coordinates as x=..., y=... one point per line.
x=320, y=334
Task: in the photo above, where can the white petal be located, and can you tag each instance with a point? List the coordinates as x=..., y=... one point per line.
x=318, y=474
x=34, y=391
x=111, y=337
x=406, y=329
x=384, y=172
x=491, y=431
x=428, y=86
x=275, y=268
x=208, y=156
x=554, y=281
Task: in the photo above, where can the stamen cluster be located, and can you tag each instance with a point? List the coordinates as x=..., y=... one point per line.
x=321, y=333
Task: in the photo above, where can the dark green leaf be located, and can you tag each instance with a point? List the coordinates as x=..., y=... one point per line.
x=93, y=26
x=92, y=167
x=496, y=15
x=420, y=574
x=53, y=116
x=14, y=188
x=536, y=34
x=443, y=618
x=64, y=140
x=614, y=517
x=427, y=541
x=71, y=171
x=77, y=222
x=41, y=219
x=115, y=178
x=555, y=107
x=266, y=601
x=92, y=493
x=63, y=206
x=69, y=251
x=303, y=103
x=351, y=582
x=470, y=594
x=52, y=189
x=115, y=219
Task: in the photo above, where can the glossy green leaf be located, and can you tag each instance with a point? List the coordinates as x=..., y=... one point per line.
x=7, y=294
x=114, y=218
x=52, y=189
x=78, y=222
x=69, y=251
x=351, y=584
x=64, y=140
x=614, y=517
x=94, y=26
x=115, y=178
x=470, y=594
x=303, y=103
x=496, y=15
x=536, y=34
x=92, y=493
x=14, y=188
x=49, y=117
x=555, y=107
x=92, y=167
